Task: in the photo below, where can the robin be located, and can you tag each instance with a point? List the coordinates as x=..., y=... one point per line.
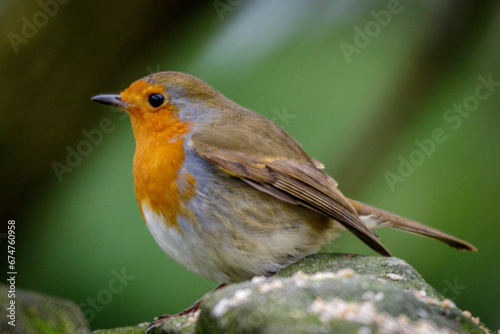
x=229, y=194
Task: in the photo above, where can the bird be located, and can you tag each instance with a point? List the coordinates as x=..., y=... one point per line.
x=228, y=193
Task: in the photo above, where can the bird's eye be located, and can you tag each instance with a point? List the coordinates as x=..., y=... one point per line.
x=156, y=100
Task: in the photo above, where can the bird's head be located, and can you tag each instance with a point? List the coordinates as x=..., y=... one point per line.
x=165, y=101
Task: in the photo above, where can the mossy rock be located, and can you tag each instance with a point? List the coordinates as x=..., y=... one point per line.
x=375, y=267
x=332, y=293
x=36, y=313
x=323, y=293
x=176, y=325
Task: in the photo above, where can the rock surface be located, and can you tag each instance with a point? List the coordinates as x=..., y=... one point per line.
x=323, y=293
x=330, y=293
x=36, y=313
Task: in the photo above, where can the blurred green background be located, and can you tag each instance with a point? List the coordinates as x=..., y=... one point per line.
x=356, y=83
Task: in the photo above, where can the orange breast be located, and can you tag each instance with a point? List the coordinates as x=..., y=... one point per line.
x=156, y=172
x=157, y=162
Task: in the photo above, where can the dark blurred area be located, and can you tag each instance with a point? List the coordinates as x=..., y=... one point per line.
x=398, y=99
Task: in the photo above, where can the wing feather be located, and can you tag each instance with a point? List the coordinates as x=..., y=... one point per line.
x=297, y=183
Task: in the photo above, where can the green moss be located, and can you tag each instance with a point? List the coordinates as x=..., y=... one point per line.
x=175, y=325
x=123, y=330
x=43, y=326
x=36, y=313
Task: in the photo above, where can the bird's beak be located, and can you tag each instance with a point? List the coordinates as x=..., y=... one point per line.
x=112, y=100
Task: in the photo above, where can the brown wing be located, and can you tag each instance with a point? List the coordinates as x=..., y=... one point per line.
x=297, y=183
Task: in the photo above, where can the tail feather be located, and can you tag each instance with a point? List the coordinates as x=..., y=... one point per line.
x=391, y=220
